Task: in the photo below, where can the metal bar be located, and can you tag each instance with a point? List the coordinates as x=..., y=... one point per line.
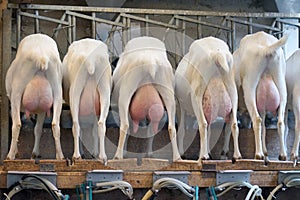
x=91, y=18
x=124, y=33
x=153, y=11
x=273, y=25
x=229, y=35
x=147, y=25
x=252, y=24
x=222, y=23
x=94, y=25
x=177, y=45
x=149, y=20
x=73, y=28
x=129, y=29
x=233, y=36
x=199, y=28
x=37, y=25
x=250, y=29
x=183, y=39
x=63, y=17
x=18, y=35
x=43, y=18
x=202, y=22
x=70, y=29
x=168, y=29
x=288, y=22
x=6, y=60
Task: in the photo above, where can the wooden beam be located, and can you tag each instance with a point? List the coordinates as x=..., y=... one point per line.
x=68, y=176
x=6, y=59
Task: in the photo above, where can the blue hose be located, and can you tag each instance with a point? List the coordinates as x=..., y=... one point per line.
x=196, y=193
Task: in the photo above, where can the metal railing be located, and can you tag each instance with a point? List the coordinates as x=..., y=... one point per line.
x=195, y=24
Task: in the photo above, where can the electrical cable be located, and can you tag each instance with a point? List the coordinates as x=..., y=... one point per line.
x=170, y=183
x=255, y=191
x=289, y=181
x=35, y=182
x=124, y=186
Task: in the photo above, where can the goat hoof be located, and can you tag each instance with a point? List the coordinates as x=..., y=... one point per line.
x=259, y=157
x=282, y=158
x=223, y=153
x=267, y=161
x=35, y=156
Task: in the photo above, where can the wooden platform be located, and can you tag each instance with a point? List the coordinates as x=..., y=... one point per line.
x=139, y=175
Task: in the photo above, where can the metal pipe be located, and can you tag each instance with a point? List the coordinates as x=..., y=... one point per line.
x=73, y=28
x=153, y=11
x=18, y=27
x=37, y=25
x=94, y=25
x=70, y=29
x=250, y=28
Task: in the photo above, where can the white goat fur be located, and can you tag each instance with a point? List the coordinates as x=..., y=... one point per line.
x=258, y=54
x=293, y=100
x=207, y=58
x=36, y=52
x=144, y=61
x=87, y=65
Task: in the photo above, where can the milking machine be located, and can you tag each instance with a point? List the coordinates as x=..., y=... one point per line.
x=33, y=182
x=286, y=179
x=102, y=181
x=171, y=183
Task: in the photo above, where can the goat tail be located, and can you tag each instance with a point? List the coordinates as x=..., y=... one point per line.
x=269, y=50
x=90, y=67
x=221, y=61
x=42, y=63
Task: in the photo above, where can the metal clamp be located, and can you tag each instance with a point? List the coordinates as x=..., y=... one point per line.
x=284, y=174
x=179, y=175
x=15, y=176
x=233, y=176
x=97, y=176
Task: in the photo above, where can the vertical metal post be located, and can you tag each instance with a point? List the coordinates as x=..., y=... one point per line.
x=183, y=39
x=229, y=34
x=73, y=28
x=147, y=26
x=124, y=32
x=37, y=24
x=177, y=47
x=250, y=28
x=199, y=29
x=18, y=35
x=129, y=29
x=94, y=25
x=6, y=59
x=70, y=29
x=233, y=36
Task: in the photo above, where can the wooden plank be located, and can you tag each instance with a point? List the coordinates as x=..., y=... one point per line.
x=249, y=164
x=20, y=165
x=76, y=166
x=139, y=179
x=69, y=180
x=6, y=56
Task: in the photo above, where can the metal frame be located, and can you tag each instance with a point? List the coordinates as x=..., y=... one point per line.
x=179, y=20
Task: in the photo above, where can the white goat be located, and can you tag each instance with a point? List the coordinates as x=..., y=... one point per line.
x=293, y=100
x=87, y=82
x=33, y=83
x=205, y=87
x=143, y=68
x=260, y=70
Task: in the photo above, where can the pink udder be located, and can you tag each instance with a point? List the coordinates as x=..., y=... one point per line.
x=37, y=97
x=267, y=95
x=216, y=101
x=146, y=103
x=89, y=100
